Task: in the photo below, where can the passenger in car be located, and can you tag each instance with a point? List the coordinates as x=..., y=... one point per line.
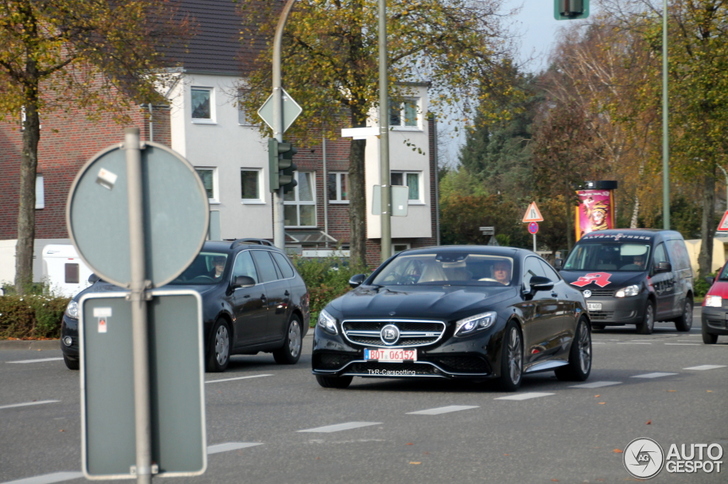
x=502, y=272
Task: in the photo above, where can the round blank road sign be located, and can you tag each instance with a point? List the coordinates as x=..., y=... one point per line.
x=175, y=209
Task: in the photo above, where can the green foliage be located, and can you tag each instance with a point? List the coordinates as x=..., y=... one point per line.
x=31, y=317
x=326, y=280
x=701, y=286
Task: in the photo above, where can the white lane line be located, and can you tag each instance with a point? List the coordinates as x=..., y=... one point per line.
x=28, y=404
x=656, y=374
x=705, y=367
x=40, y=360
x=526, y=396
x=683, y=344
x=441, y=410
x=597, y=384
x=634, y=343
x=49, y=478
x=340, y=427
x=238, y=378
x=228, y=446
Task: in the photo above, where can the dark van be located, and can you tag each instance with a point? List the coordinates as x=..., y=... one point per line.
x=633, y=276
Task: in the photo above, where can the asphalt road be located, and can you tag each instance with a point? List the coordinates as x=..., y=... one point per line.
x=273, y=424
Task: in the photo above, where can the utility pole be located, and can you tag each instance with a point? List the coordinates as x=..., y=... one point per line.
x=386, y=217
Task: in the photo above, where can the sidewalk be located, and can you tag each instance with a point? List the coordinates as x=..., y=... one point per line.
x=45, y=344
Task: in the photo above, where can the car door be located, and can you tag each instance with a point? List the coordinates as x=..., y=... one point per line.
x=662, y=282
x=543, y=323
x=277, y=293
x=250, y=304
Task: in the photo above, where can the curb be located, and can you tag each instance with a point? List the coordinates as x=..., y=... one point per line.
x=45, y=344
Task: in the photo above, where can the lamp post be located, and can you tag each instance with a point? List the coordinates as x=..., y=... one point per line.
x=665, y=128
x=386, y=217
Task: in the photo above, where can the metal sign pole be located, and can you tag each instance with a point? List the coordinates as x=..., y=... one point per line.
x=137, y=297
x=386, y=217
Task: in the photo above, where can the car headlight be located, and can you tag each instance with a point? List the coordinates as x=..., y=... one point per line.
x=475, y=323
x=632, y=290
x=72, y=309
x=327, y=322
x=713, y=302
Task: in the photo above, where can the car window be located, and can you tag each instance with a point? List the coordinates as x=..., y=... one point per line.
x=549, y=271
x=244, y=266
x=531, y=267
x=660, y=254
x=283, y=264
x=679, y=254
x=265, y=265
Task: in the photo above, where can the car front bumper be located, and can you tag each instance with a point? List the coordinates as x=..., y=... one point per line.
x=618, y=311
x=715, y=320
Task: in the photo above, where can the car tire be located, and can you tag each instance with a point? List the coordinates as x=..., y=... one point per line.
x=685, y=321
x=71, y=363
x=334, y=381
x=708, y=338
x=218, y=354
x=511, y=359
x=290, y=352
x=648, y=322
x=580, y=355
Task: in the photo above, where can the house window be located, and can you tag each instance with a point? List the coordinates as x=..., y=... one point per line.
x=299, y=205
x=209, y=181
x=338, y=187
x=201, y=103
x=411, y=180
x=39, y=192
x=250, y=185
x=405, y=114
x=397, y=248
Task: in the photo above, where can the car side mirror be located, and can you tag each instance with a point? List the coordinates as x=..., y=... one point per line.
x=357, y=280
x=558, y=264
x=540, y=283
x=243, y=281
x=663, y=267
x=93, y=278
x=710, y=280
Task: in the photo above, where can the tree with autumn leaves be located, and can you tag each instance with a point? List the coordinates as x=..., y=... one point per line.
x=92, y=55
x=330, y=66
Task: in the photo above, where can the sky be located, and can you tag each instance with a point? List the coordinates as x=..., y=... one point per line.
x=537, y=30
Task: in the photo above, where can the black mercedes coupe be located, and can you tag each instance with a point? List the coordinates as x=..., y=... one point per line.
x=472, y=312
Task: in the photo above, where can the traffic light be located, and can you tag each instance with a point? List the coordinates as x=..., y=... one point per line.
x=571, y=9
x=281, y=165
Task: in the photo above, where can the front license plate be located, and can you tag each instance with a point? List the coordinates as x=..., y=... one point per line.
x=390, y=354
x=594, y=306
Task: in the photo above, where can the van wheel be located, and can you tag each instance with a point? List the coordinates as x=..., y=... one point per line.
x=685, y=321
x=74, y=364
x=648, y=323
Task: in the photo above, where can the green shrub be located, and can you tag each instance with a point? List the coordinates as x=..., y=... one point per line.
x=326, y=279
x=31, y=316
x=701, y=286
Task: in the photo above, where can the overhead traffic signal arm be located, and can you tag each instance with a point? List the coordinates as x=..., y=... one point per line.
x=571, y=9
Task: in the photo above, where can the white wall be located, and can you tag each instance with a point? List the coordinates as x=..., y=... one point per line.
x=227, y=145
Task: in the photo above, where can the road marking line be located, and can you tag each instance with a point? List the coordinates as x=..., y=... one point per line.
x=41, y=360
x=28, y=404
x=656, y=374
x=228, y=446
x=705, y=367
x=634, y=343
x=238, y=378
x=340, y=427
x=526, y=396
x=441, y=410
x=49, y=478
x=683, y=344
x=597, y=384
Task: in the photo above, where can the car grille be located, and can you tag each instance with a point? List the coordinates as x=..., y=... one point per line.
x=411, y=332
x=600, y=292
x=464, y=366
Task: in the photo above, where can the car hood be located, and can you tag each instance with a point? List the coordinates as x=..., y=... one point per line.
x=104, y=287
x=719, y=288
x=605, y=279
x=444, y=303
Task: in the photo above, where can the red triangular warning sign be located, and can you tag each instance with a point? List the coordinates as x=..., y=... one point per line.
x=533, y=215
x=723, y=225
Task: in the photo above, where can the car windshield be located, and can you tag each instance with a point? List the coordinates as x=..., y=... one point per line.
x=447, y=268
x=207, y=268
x=604, y=256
